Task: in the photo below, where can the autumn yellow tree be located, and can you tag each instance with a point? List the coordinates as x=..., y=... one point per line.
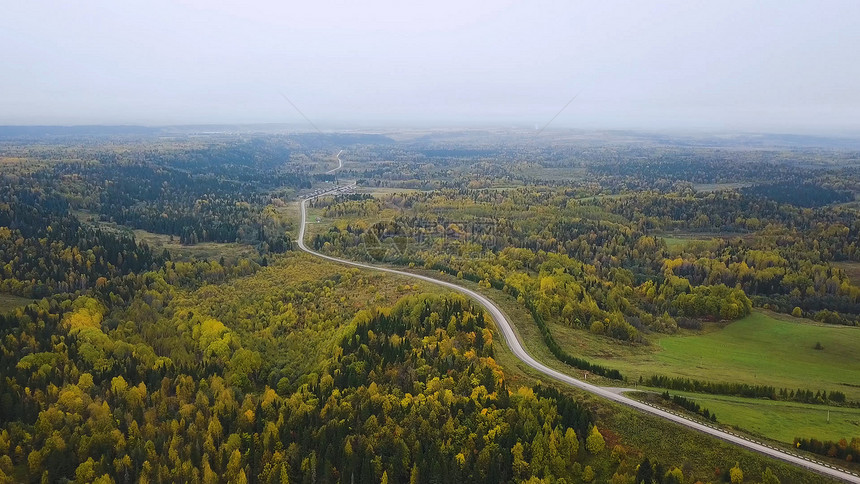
x=736, y=474
x=595, y=442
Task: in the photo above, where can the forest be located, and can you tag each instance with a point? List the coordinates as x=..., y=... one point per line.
x=135, y=363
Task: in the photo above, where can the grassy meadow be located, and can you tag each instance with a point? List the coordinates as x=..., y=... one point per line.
x=763, y=348
x=852, y=270
x=782, y=421
x=9, y=302
x=760, y=349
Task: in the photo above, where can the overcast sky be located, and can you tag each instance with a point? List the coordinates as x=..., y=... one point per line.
x=789, y=66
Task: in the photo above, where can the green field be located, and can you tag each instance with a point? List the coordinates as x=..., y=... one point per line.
x=231, y=251
x=677, y=244
x=9, y=302
x=782, y=421
x=852, y=270
x=761, y=349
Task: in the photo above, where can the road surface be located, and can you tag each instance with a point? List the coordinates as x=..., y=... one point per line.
x=339, y=164
x=613, y=394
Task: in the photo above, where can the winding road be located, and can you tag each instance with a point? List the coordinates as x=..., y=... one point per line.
x=614, y=394
x=339, y=164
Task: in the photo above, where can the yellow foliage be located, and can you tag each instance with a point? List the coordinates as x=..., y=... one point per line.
x=269, y=396
x=118, y=385
x=209, y=331
x=85, y=382
x=595, y=443
x=72, y=399
x=83, y=318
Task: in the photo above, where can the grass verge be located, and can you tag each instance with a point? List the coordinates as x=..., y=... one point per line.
x=9, y=302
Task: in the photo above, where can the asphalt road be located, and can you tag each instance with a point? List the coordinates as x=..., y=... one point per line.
x=339, y=164
x=614, y=394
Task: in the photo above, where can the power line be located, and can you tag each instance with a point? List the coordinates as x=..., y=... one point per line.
x=300, y=111
x=557, y=114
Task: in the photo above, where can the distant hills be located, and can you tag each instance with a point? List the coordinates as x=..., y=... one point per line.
x=386, y=136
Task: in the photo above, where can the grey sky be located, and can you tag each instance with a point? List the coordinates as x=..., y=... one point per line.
x=726, y=65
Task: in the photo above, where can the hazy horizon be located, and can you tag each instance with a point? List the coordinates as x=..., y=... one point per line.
x=731, y=66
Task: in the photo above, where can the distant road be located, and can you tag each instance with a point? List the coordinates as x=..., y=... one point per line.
x=614, y=394
x=339, y=164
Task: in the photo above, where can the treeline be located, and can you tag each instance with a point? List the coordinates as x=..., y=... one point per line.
x=566, y=357
x=782, y=278
x=799, y=193
x=612, y=168
x=572, y=413
x=788, y=266
x=560, y=353
x=693, y=164
x=843, y=450
x=209, y=193
x=602, y=296
x=194, y=207
x=832, y=231
x=714, y=301
x=746, y=390
x=689, y=405
x=223, y=192
x=45, y=250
